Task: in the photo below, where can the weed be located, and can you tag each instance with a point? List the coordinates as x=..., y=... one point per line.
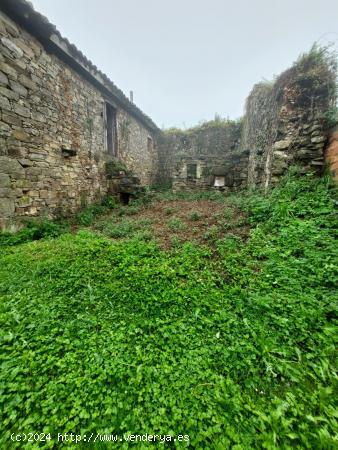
x=194, y=216
x=132, y=210
x=212, y=233
x=121, y=229
x=169, y=211
x=34, y=231
x=176, y=224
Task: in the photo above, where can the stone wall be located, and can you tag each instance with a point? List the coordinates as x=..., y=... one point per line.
x=285, y=121
x=52, y=133
x=137, y=147
x=331, y=153
x=213, y=148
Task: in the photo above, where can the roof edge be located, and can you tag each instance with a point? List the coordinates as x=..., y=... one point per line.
x=22, y=12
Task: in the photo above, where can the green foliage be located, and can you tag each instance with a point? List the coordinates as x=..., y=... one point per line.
x=169, y=211
x=235, y=347
x=217, y=122
x=110, y=202
x=113, y=168
x=212, y=233
x=176, y=224
x=121, y=229
x=144, y=197
x=132, y=210
x=331, y=117
x=90, y=214
x=34, y=231
x=216, y=196
x=194, y=216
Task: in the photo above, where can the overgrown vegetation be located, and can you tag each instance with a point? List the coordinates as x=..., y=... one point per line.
x=233, y=345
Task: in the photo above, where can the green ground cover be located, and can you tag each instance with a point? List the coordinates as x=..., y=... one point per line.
x=233, y=345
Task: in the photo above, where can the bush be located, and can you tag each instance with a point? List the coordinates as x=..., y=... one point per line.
x=34, y=231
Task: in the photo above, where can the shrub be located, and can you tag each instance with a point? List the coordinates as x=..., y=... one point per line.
x=34, y=231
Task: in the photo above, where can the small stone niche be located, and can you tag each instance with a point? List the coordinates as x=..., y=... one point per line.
x=219, y=181
x=68, y=152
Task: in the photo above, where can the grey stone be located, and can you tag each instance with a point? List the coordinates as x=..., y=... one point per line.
x=282, y=145
x=17, y=87
x=5, y=181
x=4, y=103
x=10, y=166
x=27, y=82
x=5, y=130
x=8, y=70
x=20, y=135
x=36, y=156
x=9, y=93
x=11, y=119
x=318, y=139
x=7, y=207
x=8, y=192
x=14, y=49
x=25, y=162
x=3, y=79
x=22, y=110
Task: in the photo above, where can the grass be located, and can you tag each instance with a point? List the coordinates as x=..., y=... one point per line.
x=232, y=345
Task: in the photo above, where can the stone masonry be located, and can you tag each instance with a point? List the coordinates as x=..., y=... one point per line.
x=66, y=130
x=53, y=124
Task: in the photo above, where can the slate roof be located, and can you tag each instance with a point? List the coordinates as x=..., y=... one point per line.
x=22, y=12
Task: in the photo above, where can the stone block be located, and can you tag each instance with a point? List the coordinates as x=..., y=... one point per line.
x=7, y=193
x=318, y=139
x=23, y=183
x=12, y=47
x=4, y=103
x=5, y=180
x=20, y=135
x=27, y=82
x=8, y=70
x=18, y=88
x=8, y=93
x=24, y=201
x=3, y=79
x=11, y=119
x=10, y=26
x=10, y=166
x=37, y=156
x=7, y=207
x=27, y=50
x=33, y=194
x=43, y=193
x=5, y=129
x=22, y=110
x=282, y=145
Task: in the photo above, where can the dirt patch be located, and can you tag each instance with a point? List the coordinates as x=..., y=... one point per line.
x=204, y=221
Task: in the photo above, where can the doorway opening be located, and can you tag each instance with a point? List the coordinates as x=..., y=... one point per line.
x=124, y=198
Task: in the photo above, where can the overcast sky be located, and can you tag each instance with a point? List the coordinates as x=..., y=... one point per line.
x=186, y=60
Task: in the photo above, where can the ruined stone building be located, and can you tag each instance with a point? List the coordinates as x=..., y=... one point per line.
x=62, y=120
x=69, y=136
